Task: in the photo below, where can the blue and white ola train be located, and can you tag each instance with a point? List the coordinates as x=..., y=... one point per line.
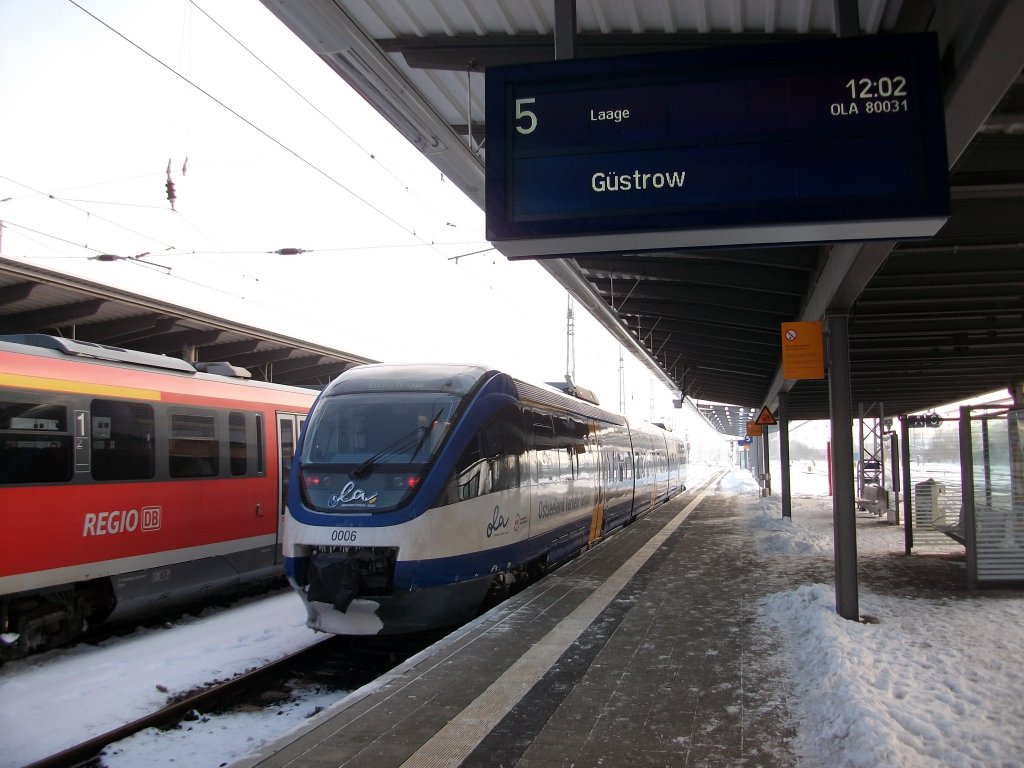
x=420, y=490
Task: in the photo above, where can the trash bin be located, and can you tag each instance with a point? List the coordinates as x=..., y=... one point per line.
x=926, y=504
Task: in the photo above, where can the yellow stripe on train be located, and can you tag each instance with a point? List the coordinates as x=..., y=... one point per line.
x=78, y=387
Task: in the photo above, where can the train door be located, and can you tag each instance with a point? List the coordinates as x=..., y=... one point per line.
x=597, y=521
x=288, y=427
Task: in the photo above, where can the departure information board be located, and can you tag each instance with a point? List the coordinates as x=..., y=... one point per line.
x=819, y=141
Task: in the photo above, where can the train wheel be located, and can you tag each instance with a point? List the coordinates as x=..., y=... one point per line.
x=13, y=644
x=36, y=623
x=536, y=569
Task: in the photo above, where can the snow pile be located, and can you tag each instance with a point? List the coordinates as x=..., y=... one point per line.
x=921, y=683
x=777, y=535
x=737, y=482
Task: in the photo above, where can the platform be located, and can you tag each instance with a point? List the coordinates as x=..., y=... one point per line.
x=644, y=651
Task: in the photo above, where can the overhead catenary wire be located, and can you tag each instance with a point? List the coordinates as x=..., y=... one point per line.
x=425, y=242
x=59, y=199
x=248, y=122
x=57, y=194
x=83, y=211
x=16, y=225
x=315, y=108
x=101, y=255
x=172, y=250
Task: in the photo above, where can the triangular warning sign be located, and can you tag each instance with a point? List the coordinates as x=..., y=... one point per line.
x=765, y=418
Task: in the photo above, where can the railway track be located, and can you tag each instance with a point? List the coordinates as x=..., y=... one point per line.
x=337, y=663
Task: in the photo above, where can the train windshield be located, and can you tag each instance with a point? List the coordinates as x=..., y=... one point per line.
x=368, y=452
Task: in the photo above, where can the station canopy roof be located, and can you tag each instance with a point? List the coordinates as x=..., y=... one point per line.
x=931, y=321
x=36, y=300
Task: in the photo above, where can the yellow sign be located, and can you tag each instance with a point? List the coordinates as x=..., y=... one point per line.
x=765, y=418
x=803, y=351
x=753, y=429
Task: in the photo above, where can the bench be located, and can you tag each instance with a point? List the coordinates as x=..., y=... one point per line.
x=955, y=532
x=875, y=500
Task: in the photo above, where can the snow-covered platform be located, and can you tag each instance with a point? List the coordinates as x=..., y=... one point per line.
x=648, y=650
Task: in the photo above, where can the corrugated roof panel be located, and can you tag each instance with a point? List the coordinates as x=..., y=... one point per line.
x=389, y=19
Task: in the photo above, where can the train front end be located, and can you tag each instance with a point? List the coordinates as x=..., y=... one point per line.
x=368, y=468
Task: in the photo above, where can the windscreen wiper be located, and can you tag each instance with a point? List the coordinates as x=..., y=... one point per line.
x=405, y=441
x=426, y=433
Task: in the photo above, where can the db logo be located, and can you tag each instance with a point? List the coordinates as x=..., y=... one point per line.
x=151, y=518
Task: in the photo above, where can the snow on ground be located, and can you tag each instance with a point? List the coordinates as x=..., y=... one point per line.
x=935, y=682
x=58, y=699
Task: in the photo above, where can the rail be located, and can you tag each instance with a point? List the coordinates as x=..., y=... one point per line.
x=88, y=751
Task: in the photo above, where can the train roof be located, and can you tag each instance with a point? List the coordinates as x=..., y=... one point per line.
x=556, y=397
x=460, y=379
x=90, y=350
x=408, y=377
x=71, y=350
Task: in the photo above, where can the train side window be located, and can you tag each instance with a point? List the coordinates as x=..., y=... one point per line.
x=238, y=443
x=35, y=445
x=505, y=445
x=193, y=450
x=570, y=445
x=123, y=447
x=545, y=443
x=589, y=459
x=491, y=461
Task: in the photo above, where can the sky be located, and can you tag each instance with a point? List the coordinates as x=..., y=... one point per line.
x=268, y=149
x=935, y=682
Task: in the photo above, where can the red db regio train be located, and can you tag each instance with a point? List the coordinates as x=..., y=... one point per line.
x=132, y=482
